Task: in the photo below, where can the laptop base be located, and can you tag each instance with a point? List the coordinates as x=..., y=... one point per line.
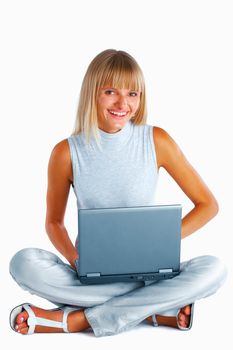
x=127, y=278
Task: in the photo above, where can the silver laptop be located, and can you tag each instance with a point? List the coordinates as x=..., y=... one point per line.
x=128, y=244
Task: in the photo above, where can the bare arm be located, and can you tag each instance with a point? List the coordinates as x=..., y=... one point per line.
x=59, y=181
x=171, y=158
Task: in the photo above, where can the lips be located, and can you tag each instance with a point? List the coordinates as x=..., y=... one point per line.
x=115, y=114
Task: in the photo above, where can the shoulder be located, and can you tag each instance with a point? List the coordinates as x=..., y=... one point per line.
x=60, y=159
x=165, y=146
x=61, y=151
x=161, y=135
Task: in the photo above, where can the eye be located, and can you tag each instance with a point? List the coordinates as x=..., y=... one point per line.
x=135, y=93
x=108, y=92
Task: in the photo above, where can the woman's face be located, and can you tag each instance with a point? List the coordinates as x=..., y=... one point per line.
x=115, y=107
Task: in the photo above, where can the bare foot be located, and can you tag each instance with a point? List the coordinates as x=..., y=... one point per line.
x=76, y=321
x=183, y=318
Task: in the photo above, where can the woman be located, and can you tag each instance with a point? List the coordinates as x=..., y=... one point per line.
x=112, y=159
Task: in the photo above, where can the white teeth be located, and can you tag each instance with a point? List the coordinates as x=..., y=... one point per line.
x=118, y=113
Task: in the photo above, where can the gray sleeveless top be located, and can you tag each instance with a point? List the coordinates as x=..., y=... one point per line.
x=122, y=174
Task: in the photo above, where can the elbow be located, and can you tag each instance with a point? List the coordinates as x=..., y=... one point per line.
x=214, y=207
x=47, y=226
x=51, y=225
x=208, y=206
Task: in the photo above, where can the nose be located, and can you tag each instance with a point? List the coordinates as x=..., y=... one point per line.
x=121, y=101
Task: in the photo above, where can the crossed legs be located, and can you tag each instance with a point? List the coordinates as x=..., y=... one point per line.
x=56, y=281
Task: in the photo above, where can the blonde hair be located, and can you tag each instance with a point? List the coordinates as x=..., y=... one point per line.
x=112, y=68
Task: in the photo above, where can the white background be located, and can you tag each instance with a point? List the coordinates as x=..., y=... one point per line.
x=185, y=51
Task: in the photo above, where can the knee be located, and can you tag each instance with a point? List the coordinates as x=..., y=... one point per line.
x=218, y=265
x=214, y=268
x=25, y=261
x=20, y=261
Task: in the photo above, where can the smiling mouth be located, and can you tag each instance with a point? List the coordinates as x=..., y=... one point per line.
x=118, y=115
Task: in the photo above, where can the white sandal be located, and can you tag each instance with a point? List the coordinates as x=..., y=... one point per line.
x=175, y=312
x=34, y=321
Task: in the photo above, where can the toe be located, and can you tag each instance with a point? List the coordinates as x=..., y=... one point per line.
x=21, y=317
x=182, y=324
x=24, y=330
x=187, y=310
x=183, y=320
x=22, y=327
x=181, y=317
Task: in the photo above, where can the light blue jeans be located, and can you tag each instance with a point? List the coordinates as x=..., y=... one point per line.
x=115, y=307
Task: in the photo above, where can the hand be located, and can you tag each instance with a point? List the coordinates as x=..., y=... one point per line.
x=73, y=264
x=72, y=258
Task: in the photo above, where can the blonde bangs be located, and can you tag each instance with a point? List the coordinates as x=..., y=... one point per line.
x=121, y=77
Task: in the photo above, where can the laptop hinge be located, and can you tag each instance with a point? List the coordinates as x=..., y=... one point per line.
x=165, y=270
x=94, y=274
